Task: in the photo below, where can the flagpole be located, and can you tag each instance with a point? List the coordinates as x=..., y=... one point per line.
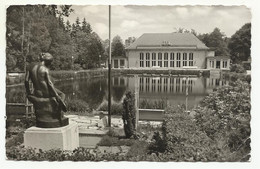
x=109, y=71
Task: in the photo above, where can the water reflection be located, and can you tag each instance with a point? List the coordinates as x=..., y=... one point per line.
x=94, y=91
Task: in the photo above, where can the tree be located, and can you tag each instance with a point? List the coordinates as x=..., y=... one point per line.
x=117, y=47
x=215, y=40
x=86, y=26
x=240, y=44
x=33, y=29
x=77, y=25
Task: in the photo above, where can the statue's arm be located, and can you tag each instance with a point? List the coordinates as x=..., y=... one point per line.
x=50, y=85
x=26, y=83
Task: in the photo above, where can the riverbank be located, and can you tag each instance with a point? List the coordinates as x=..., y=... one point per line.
x=18, y=78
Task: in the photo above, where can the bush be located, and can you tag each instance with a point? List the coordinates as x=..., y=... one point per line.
x=157, y=104
x=238, y=68
x=116, y=108
x=225, y=116
x=183, y=139
x=114, y=141
x=77, y=105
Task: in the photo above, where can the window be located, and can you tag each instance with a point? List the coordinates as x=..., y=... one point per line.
x=172, y=60
x=153, y=59
x=211, y=63
x=147, y=59
x=141, y=59
x=122, y=63
x=224, y=64
x=178, y=63
x=190, y=59
x=115, y=63
x=160, y=59
x=165, y=59
x=184, y=59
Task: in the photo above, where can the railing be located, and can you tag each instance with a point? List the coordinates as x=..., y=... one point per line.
x=17, y=108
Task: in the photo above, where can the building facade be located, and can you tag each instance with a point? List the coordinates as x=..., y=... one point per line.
x=171, y=51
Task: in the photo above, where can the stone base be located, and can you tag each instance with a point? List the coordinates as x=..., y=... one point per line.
x=65, y=138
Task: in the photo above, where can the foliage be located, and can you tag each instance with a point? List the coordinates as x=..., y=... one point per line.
x=33, y=29
x=15, y=140
x=77, y=105
x=238, y=68
x=158, y=145
x=140, y=148
x=225, y=115
x=157, y=104
x=129, y=113
x=114, y=141
x=184, y=140
x=116, y=108
x=217, y=41
x=117, y=47
x=240, y=44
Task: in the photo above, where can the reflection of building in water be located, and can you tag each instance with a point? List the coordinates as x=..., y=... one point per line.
x=119, y=81
x=171, y=85
x=212, y=83
x=171, y=88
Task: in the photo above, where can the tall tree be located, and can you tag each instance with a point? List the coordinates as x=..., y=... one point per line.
x=215, y=40
x=31, y=29
x=77, y=24
x=117, y=47
x=86, y=26
x=240, y=44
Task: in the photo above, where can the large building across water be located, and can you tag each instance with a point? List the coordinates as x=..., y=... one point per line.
x=171, y=51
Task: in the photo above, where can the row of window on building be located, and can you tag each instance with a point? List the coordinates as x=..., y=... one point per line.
x=217, y=64
x=163, y=59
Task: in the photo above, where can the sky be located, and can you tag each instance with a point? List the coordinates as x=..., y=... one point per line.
x=128, y=21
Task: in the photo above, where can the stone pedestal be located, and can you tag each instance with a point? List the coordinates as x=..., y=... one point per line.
x=65, y=138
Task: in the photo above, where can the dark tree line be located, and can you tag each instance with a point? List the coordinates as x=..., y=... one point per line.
x=237, y=47
x=41, y=28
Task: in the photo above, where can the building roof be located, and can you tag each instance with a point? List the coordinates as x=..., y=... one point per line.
x=174, y=40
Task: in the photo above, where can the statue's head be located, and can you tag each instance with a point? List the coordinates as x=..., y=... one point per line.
x=47, y=58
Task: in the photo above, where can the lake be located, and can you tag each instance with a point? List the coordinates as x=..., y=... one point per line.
x=175, y=90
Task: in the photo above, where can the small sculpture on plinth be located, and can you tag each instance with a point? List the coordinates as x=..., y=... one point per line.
x=47, y=100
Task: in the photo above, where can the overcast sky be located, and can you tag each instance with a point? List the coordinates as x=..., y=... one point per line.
x=135, y=20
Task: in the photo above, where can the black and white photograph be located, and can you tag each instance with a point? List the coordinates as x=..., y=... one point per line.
x=129, y=83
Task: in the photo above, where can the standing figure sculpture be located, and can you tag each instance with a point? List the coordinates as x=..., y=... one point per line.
x=48, y=101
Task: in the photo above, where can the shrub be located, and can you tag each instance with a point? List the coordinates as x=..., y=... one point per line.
x=116, y=108
x=238, y=68
x=183, y=139
x=224, y=116
x=77, y=105
x=115, y=141
x=129, y=114
x=157, y=104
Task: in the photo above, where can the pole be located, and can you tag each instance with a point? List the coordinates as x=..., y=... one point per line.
x=109, y=72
